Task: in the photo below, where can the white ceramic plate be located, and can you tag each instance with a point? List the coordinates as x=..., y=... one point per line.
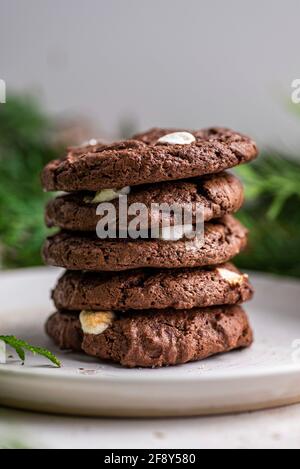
x=266, y=375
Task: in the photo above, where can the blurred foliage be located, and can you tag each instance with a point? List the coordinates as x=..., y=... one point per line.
x=13, y=444
x=272, y=214
x=25, y=147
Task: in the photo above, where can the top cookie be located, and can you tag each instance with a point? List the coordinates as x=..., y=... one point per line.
x=154, y=156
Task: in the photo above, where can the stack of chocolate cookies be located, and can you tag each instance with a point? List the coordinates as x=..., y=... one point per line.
x=149, y=302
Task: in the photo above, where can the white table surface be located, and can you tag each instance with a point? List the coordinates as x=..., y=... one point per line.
x=277, y=428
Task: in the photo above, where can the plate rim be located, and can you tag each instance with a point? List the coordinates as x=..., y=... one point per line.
x=293, y=368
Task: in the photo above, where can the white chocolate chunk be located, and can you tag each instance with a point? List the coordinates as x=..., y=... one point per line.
x=177, y=138
x=96, y=322
x=107, y=195
x=93, y=141
x=233, y=278
x=2, y=352
x=90, y=143
x=174, y=233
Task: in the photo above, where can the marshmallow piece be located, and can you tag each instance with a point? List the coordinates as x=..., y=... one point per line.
x=107, y=195
x=177, y=138
x=2, y=352
x=233, y=278
x=96, y=322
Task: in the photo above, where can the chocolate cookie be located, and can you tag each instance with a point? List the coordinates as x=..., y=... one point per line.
x=218, y=194
x=223, y=239
x=152, y=289
x=154, y=338
x=157, y=155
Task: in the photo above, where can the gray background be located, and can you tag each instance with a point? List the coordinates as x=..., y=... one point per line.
x=158, y=62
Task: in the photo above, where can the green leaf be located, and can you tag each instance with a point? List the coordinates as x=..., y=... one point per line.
x=20, y=345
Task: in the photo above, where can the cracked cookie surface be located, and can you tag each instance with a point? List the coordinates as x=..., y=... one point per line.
x=155, y=339
x=223, y=239
x=151, y=289
x=143, y=159
x=218, y=194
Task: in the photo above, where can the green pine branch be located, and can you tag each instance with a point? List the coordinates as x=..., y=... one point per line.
x=20, y=346
x=271, y=213
x=25, y=147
